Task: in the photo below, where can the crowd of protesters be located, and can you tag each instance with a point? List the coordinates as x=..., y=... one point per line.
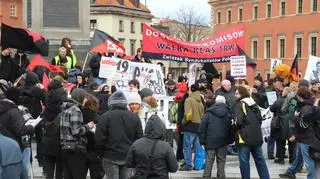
x=90, y=126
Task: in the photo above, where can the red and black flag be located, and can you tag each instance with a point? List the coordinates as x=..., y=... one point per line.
x=103, y=43
x=24, y=40
x=295, y=68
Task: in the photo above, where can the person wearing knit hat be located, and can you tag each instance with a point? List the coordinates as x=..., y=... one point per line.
x=145, y=92
x=78, y=95
x=134, y=102
x=116, y=131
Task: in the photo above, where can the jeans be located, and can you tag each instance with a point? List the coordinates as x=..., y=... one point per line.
x=74, y=164
x=271, y=143
x=116, y=169
x=100, y=81
x=221, y=154
x=302, y=156
x=26, y=154
x=190, y=140
x=244, y=158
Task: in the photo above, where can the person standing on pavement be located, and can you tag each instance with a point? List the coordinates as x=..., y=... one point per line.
x=194, y=110
x=259, y=92
x=304, y=135
x=151, y=156
x=116, y=131
x=214, y=134
x=249, y=135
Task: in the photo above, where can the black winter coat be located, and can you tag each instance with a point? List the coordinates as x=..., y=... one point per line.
x=95, y=65
x=89, y=116
x=8, y=68
x=260, y=97
x=215, y=128
x=279, y=124
x=116, y=131
x=249, y=126
x=163, y=158
x=229, y=95
x=12, y=121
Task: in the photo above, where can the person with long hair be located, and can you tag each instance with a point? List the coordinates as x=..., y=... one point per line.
x=66, y=43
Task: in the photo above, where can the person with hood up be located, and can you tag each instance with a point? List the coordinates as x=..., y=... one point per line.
x=115, y=133
x=215, y=134
x=151, y=156
x=249, y=135
x=193, y=112
x=72, y=136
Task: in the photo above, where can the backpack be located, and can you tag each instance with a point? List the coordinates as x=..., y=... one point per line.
x=173, y=112
x=291, y=108
x=33, y=104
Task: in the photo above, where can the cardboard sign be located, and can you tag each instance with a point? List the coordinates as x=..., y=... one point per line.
x=238, y=66
x=272, y=97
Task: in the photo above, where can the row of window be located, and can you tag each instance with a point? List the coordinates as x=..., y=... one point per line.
x=313, y=46
x=93, y=25
x=13, y=9
x=255, y=16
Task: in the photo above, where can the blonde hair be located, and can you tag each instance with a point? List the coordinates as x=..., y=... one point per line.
x=287, y=90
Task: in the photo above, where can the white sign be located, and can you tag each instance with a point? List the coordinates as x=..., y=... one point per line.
x=313, y=69
x=238, y=66
x=122, y=71
x=273, y=64
x=267, y=115
x=192, y=74
x=163, y=111
x=272, y=97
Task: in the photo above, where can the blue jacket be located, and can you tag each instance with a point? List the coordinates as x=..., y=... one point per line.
x=10, y=158
x=215, y=128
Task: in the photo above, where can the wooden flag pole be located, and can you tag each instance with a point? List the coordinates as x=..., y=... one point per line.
x=85, y=62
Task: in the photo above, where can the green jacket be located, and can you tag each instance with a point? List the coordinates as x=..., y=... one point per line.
x=193, y=112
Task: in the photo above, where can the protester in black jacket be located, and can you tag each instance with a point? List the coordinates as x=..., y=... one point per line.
x=103, y=97
x=95, y=65
x=8, y=66
x=215, y=134
x=116, y=131
x=161, y=161
x=259, y=92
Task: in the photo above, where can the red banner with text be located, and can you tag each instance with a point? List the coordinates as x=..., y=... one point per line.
x=218, y=49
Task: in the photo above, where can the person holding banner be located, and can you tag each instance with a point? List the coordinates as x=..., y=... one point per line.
x=138, y=57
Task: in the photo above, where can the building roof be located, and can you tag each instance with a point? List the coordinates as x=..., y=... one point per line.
x=129, y=7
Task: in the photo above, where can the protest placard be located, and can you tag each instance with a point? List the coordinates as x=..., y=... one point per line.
x=238, y=66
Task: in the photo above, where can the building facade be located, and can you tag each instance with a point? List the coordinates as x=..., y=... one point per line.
x=11, y=12
x=121, y=19
x=176, y=29
x=274, y=29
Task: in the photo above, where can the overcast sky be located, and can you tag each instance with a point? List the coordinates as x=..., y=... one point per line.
x=168, y=8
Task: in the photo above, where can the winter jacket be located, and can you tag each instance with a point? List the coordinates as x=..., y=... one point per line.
x=313, y=119
x=8, y=68
x=12, y=121
x=303, y=129
x=72, y=75
x=193, y=112
x=260, y=97
x=279, y=124
x=229, y=95
x=248, y=122
x=116, y=131
x=95, y=65
x=10, y=158
x=215, y=128
x=89, y=116
x=172, y=92
x=103, y=102
x=163, y=158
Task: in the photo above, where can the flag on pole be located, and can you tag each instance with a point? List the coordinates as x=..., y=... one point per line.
x=103, y=43
x=295, y=69
x=24, y=40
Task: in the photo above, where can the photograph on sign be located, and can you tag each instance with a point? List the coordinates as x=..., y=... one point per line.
x=274, y=63
x=313, y=69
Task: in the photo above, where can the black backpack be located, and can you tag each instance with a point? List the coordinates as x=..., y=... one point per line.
x=31, y=102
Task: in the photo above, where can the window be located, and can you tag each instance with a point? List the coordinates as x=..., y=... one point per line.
x=299, y=6
x=298, y=47
x=121, y=40
x=255, y=12
x=269, y=10
x=133, y=47
x=283, y=8
x=282, y=47
x=229, y=16
x=92, y=1
x=314, y=6
x=93, y=24
x=132, y=29
x=141, y=27
x=313, y=45
x=218, y=18
x=0, y=8
x=13, y=10
x=121, y=27
x=254, y=48
x=267, y=50
x=240, y=15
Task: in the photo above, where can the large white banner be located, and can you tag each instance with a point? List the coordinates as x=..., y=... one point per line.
x=273, y=64
x=313, y=69
x=238, y=66
x=120, y=72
